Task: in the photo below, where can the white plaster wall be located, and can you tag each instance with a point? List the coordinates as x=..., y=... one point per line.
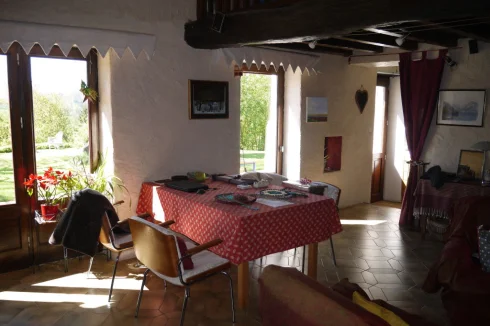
x=292, y=124
x=152, y=135
x=396, y=144
x=105, y=110
x=444, y=143
x=339, y=83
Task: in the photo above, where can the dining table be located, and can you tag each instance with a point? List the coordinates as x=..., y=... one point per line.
x=248, y=233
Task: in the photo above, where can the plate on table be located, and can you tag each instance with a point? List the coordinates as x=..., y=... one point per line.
x=275, y=194
x=236, y=198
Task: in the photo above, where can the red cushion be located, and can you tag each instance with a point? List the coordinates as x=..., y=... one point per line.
x=186, y=262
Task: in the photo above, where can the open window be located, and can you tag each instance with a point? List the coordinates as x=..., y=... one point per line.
x=261, y=118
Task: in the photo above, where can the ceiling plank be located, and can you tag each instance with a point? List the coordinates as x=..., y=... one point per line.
x=480, y=32
x=303, y=47
x=380, y=40
x=435, y=37
x=317, y=19
x=349, y=45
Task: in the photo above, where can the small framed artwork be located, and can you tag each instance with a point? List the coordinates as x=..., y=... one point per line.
x=332, y=154
x=471, y=164
x=316, y=109
x=463, y=107
x=208, y=99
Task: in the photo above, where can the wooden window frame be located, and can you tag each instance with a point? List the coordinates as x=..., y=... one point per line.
x=92, y=82
x=254, y=69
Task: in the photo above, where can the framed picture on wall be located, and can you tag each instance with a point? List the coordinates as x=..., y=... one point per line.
x=208, y=99
x=316, y=109
x=461, y=107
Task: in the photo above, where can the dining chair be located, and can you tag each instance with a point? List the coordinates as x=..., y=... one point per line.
x=156, y=247
x=331, y=191
x=114, y=243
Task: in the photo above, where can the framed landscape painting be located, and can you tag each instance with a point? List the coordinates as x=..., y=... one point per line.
x=463, y=107
x=208, y=99
x=316, y=109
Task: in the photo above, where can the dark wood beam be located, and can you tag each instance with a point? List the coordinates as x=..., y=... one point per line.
x=302, y=47
x=435, y=37
x=317, y=19
x=380, y=40
x=349, y=45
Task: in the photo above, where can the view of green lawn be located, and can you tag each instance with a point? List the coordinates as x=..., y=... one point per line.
x=249, y=157
x=59, y=159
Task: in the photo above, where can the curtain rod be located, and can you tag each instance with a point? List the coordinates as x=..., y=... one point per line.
x=396, y=53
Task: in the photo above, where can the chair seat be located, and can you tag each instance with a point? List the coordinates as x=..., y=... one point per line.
x=203, y=262
x=123, y=240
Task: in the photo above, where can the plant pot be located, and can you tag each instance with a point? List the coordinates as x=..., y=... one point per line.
x=49, y=212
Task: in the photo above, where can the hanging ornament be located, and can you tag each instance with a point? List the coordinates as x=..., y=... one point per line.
x=361, y=97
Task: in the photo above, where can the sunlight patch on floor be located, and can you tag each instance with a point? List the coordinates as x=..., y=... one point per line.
x=362, y=222
x=81, y=280
x=87, y=300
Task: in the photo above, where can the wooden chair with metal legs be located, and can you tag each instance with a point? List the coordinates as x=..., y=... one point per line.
x=156, y=247
x=114, y=243
x=332, y=192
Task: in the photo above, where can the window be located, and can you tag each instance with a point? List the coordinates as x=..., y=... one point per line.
x=7, y=188
x=55, y=121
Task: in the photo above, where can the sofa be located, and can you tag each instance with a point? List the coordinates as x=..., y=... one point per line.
x=465, y=286
x=290, y=298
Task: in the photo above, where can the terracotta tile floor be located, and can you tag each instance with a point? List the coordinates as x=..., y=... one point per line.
x=390, y=264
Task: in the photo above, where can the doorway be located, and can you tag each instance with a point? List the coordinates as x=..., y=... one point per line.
x=261, y=116
x=379, y=138
x=44, y=123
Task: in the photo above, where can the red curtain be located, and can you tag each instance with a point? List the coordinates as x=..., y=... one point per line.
x=420, y=81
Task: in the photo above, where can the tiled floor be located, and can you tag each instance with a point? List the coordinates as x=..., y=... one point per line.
x=372, y=251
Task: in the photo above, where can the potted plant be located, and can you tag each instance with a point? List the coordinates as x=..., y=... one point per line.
x=98, y=180
x=51, y=189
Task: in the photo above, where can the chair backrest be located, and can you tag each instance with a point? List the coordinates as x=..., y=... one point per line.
x=105, y=237
x=331, y=191
x=155, y=247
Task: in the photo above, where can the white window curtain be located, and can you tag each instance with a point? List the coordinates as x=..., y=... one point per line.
x=266, y=57
x=66, y=37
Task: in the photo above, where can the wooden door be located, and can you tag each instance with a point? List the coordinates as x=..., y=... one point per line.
x=379, y=138
x=15, y=224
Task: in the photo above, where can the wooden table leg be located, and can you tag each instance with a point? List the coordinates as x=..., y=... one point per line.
x=312, y=260
x=243, y=277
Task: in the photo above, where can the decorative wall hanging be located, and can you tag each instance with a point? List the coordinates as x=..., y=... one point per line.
x=208, y=99
x=316, y=109
x=47, y=35
x=332, y=154
x=361, y=97
x=461, y=107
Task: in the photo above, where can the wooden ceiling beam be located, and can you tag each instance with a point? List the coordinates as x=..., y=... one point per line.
x=303, y=47
x=434, y=37
x=380, y=40
x=318, y=19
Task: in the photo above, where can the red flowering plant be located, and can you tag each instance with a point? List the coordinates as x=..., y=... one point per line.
x=52, y=186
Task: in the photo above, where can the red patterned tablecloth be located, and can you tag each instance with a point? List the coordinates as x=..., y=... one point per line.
x=246, y=234
x=433, y=202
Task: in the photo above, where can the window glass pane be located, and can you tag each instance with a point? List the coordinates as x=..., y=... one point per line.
x=7, y=187
x=379, y=120
x=60, y=113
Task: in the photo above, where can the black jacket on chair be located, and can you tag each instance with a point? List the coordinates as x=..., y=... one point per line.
x=79, y=227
